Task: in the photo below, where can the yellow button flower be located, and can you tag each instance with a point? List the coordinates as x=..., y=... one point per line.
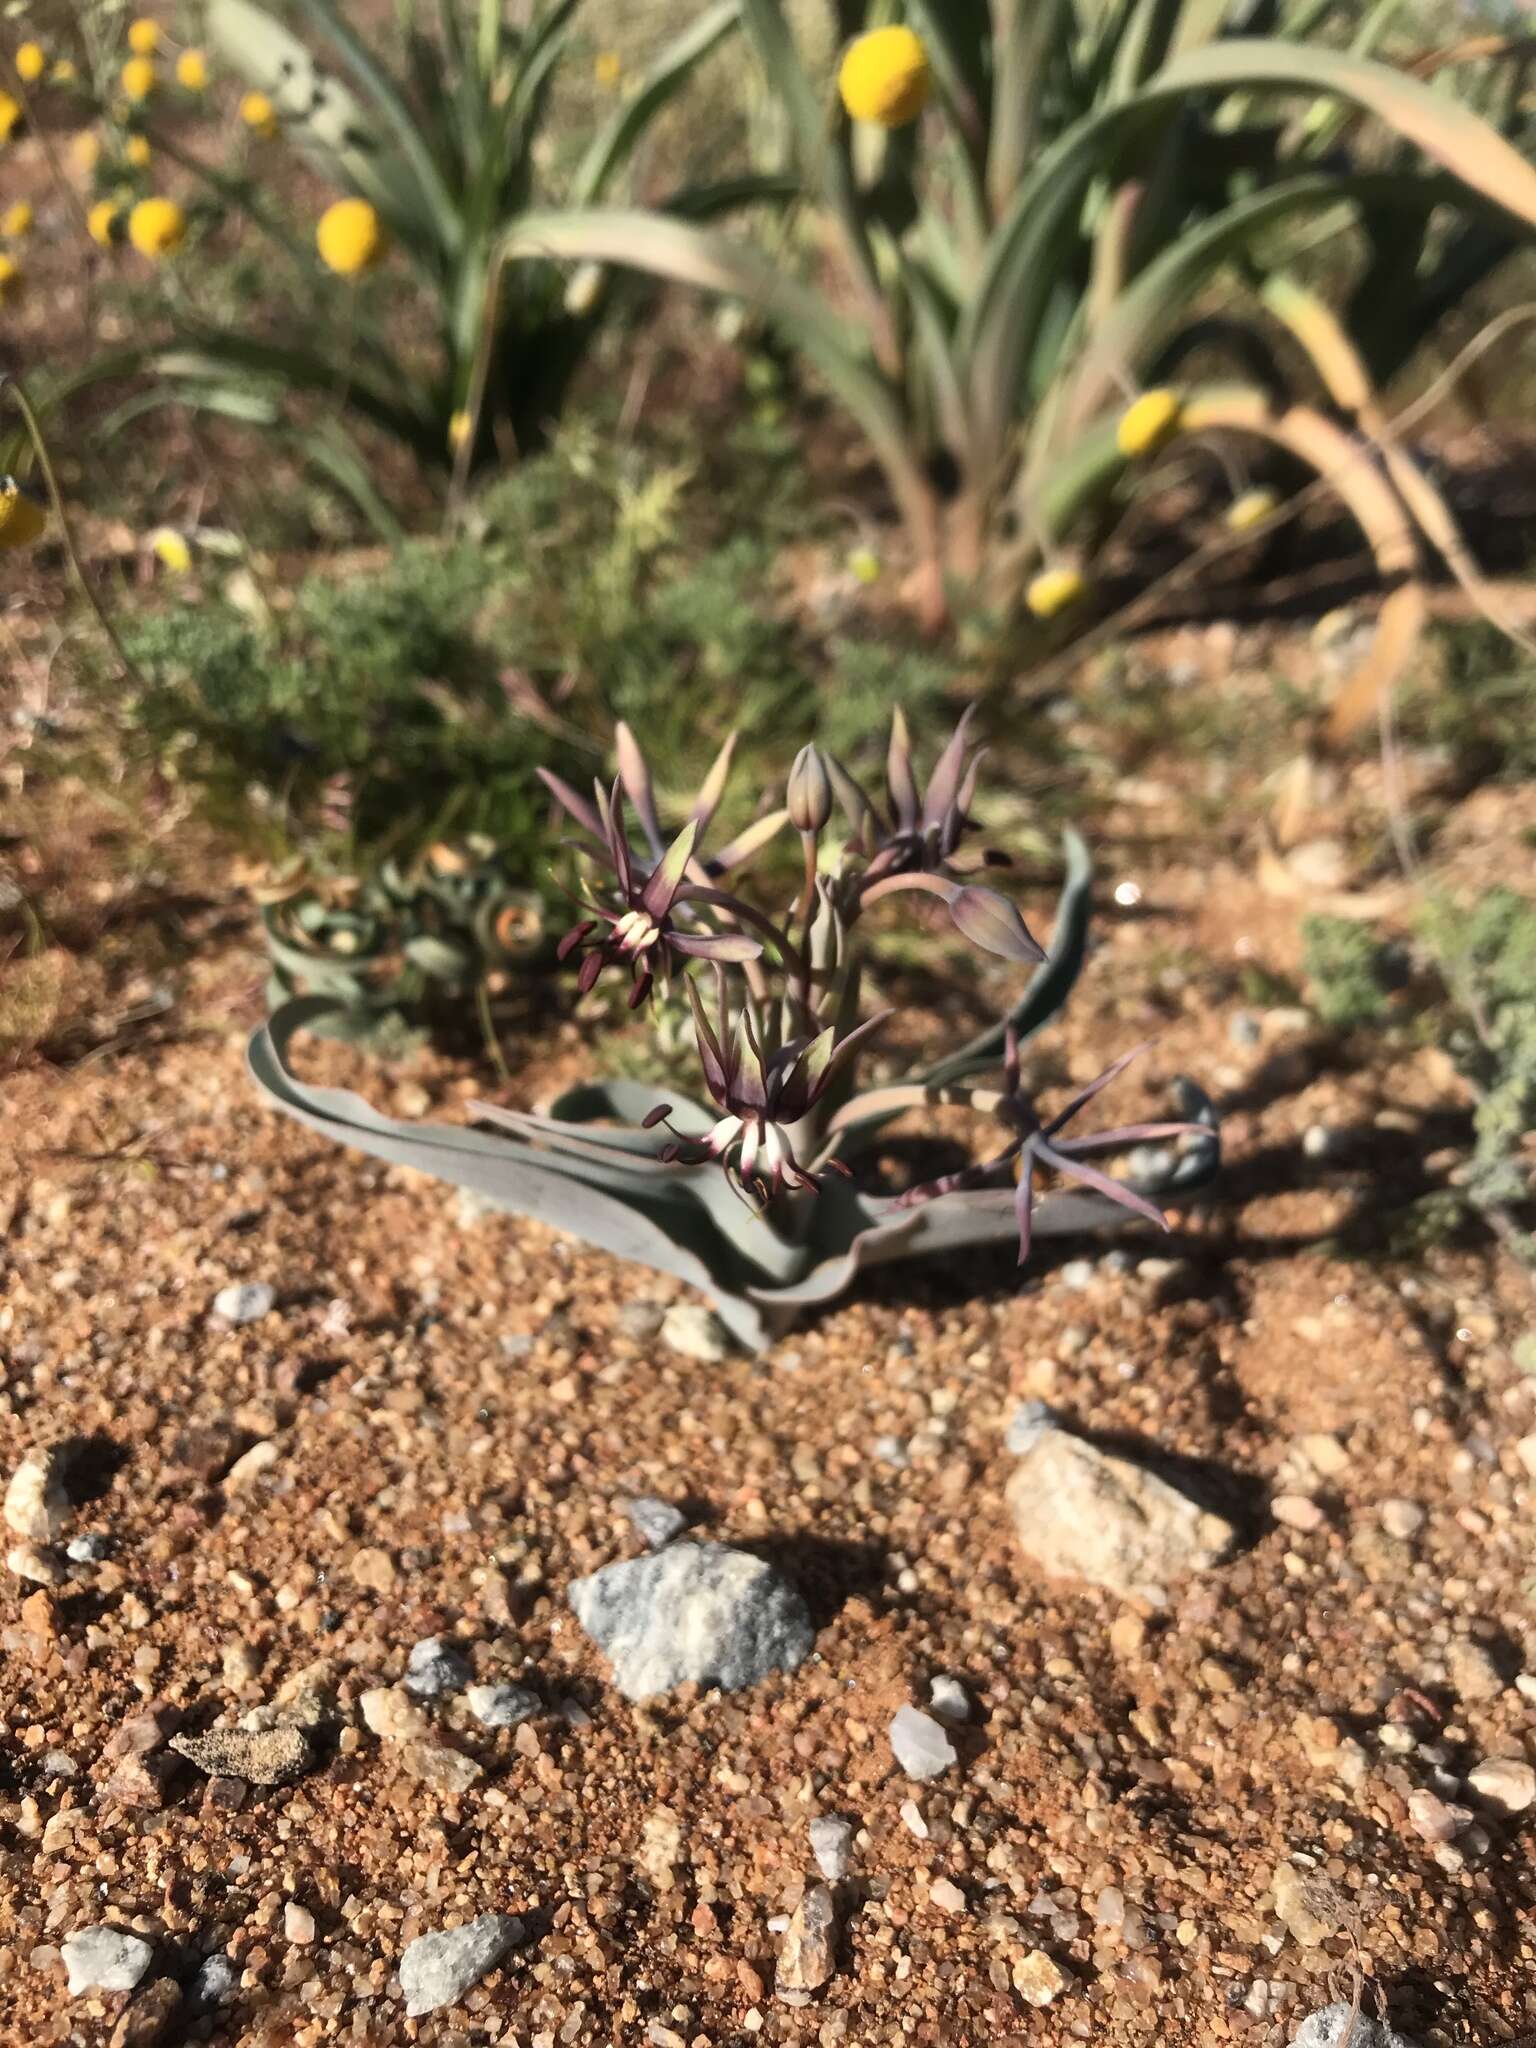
x=172, y=550
x=157, y=227
x=144, y=36
x=138, y=77
x=259, y=114
x=350, y=237
x=137, y=151
x=1146, y=424
x=608, y=68
x=16, y=220
x=10, y=116
x=1250, y=509
x=1053, y=590
x=884, y=77
x=105, y=222
x=192, y=70
x=10, y=278
x=64, y=72
x=22, y=518
x=458, y=430
x=84, y=151
x=864, y=565
x=31, y=63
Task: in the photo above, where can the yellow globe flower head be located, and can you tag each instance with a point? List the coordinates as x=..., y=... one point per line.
x=105, y=221
x=85, y=151
x=1147, y=423
x=138, y=151
x=64, y=72
x=144, y=36
x=459, y=429
x=139, y=78
x=864, y=566
x=16, y=221
x=31, y=62
x=350, y=237
x=10, y=278
x=1053, y=591
x=1250, y=509
x=608, y=68
x=22, y=518
x=10, y=116
x=171, y=549
x=884, y=77
x=157, y=227
x=192, y=70
x=259, y=114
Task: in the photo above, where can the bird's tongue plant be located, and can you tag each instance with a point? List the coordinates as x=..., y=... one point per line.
x=773, y=1195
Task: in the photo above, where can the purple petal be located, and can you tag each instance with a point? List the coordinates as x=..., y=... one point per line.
x=1024, y=1205
x=712, y=788
x=573, y=938
x=667, y=877
x=656, y=1116
x=944, y=783
x=1086, y=1095
x=1116, y=1190
x=568, y=800
x=898, y=775
x=636, y=778
x=1129, y=1134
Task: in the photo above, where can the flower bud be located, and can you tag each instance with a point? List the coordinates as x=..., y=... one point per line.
x=810, y=792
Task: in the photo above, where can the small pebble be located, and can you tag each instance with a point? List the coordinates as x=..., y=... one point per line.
x=1402, y=1518
x=1296, y=1511
x=946, y=1896
x=435, y=1669
x=1076, y=1274
x=831, y=1845
x=246, y=1301
x=1027, y=1422
x=695, y=1332
x=90, y=1548
x=298, y=1923
x=391, y=1714
x=502, y=1706
x=437, y=1969
x=216, y=1982
x=104, y=1959
x=919, y=1744
x=36, y=1505
x=1337, y=2024
x=949, y=1698
x=1318, y=1141
x=1038, y=1979
x=37, y=1567
x=913, y=1820
x=269, y=1756
x=1243, y=1028
x=1506, y=1783
x=1473, y=1672
x=656, y=1522
x=809, y=1947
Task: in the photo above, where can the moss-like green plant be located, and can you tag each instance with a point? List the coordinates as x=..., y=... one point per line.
x=1347, y=971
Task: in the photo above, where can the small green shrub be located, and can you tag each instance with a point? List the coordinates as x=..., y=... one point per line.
x=1348, y=971
x=1486, y=953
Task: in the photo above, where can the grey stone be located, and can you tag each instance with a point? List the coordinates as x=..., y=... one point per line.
x=104, y=1959
x=919, y=1744
x=435, y=1668
x=1025, y=1424
x=694, y=1611
x=216, y=1982
x=1081, y=1513
x=437, y=1969
x=90, y=1548
x=1243, y=1028
x=502, y=1706
x=246, y=1301
x=656, y=1521
x=831, y=1842
x=1330, y=2028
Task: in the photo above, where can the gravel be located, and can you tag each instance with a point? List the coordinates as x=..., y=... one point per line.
x=90, y=1548
x=655, y=1521
x=949, y=1698
x=245, y=1301
x=1081, y=1513
x=1506, y=1783
x=216, y=1982
x=919, y=1744
x=832, y=1846
x=437, y=1969
x=435, y=1669
x=502, y=1706
x=104, y=1959
x=702, y=1612
x=809, y=1948
x=1402, y=1518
